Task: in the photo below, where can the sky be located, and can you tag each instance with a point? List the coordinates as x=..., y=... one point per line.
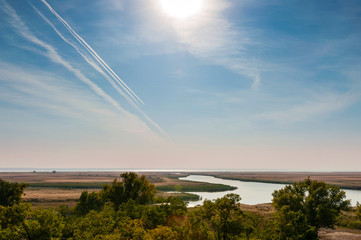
x=215, y=84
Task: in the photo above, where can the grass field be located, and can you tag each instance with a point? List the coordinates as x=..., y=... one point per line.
x=47, y=189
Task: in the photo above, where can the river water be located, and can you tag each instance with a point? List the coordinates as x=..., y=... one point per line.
x=250, y=192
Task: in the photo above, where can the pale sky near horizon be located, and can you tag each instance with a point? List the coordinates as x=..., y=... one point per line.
x=218, y=84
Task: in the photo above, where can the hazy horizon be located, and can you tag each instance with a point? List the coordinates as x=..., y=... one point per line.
x=199, y=84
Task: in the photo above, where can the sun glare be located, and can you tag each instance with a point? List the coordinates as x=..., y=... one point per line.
x=181, y=8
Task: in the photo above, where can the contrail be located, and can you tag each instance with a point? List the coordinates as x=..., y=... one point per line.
x=92, y=52
x=101, y=62
x=53, y=55
x=90, y=62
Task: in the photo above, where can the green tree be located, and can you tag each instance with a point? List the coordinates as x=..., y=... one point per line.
x=88, y=202
x=131, y=230
x=129, y=187
x=10, y=193
x=44, y=224
x=163, y=213
x=12, y=221
x=196, y=228
x=358, y=211
x=95, y=224
x=227, y=218
x=174, y=206
x=304, y=207
x=161, y=233
x=221, y=218
x=153, y=215
x=13, y=211
x=292, y=225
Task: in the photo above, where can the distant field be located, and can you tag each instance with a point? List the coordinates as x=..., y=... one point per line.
x=47, y=189
x=52, y=189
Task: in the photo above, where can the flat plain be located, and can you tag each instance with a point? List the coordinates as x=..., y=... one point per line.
x=52, y=189
x=57, y=188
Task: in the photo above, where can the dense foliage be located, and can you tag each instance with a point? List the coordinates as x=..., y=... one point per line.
x=358, y=211
x=306, y=206
x=128, y=209
x=10, y=193
x=130, y=187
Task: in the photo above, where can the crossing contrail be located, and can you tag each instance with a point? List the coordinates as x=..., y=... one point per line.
x=131, y=100
x=53, y=55
x=93, y=53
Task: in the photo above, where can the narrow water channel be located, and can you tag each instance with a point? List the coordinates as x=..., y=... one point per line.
x=250, y=192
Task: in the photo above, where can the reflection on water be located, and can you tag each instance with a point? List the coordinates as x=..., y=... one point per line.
x=250, y=192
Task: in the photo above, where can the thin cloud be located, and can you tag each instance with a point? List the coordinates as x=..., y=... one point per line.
x=315, y=108
x=93, y=53
x=211, y=37
x=53, y=55
x=49, y=94
x=88, y=60
x=207, y=35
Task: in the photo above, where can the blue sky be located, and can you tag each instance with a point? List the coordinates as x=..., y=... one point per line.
x=126, y=84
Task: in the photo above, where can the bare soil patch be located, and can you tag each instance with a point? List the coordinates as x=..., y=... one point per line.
x=338, y=234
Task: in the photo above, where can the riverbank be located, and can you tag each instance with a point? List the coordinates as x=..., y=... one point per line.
x=57, y=188
x=345, y=180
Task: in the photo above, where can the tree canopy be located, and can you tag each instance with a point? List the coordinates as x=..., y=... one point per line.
x=304, y=207
x=221, y=219
x=10, y=193
x=129, y=187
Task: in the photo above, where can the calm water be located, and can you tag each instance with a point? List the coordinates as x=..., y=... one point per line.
x=250, y=192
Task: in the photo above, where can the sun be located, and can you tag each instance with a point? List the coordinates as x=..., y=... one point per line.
x=181, y=8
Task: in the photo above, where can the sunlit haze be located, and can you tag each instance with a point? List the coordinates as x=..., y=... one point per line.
x=181, y=8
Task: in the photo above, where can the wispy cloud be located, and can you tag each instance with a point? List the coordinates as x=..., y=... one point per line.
x=317, y=107
x=88, y=60
x=100, y=61
x=49, y=94
x=213, y=38
x=208, y=35
x=55, y=57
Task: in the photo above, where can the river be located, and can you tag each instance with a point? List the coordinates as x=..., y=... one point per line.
x=250, y=192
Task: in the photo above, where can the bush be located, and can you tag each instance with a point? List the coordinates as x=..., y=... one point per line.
x=306, y=206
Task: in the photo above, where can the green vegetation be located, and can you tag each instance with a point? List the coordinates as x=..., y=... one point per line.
x=304, y=207
x=188, y=196
x=10, y=193
x=351, y=219
x=182, y=195
x=128, y=209
x=201, y=187
x=358, y=211
x=130, y=187
x=179, y=187
x=220, y=219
